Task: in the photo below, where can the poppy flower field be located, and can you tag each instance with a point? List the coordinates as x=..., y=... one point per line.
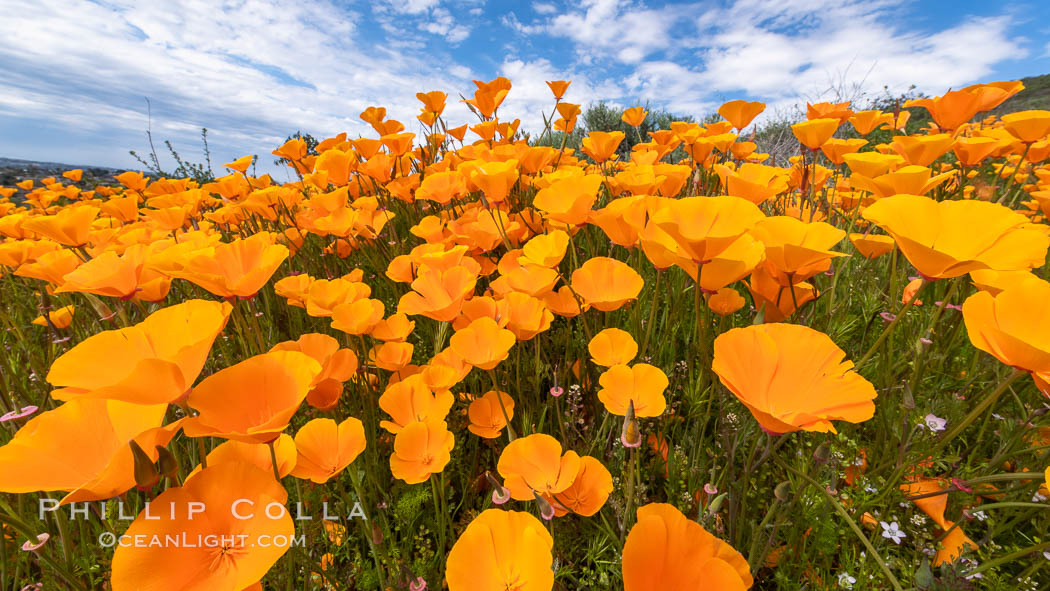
x=463, y=358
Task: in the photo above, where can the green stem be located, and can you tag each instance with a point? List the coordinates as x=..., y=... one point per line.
x=849, y=521
x=977, y=411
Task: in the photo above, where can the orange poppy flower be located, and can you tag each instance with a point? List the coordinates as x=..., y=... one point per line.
x=754, y=182
x=641, y=383
x=995, y=282
x=74, y=175
x=438, y=294
x=501, y=550
x=392, y=356
x=792, y=377
x=253, y=400
x=546, y=250
x=815, y=132
x=159, y=358
x=233, y=497
x=420, y=449
x=778, y=301
x=395, y=328
x=411, y=400
x=535, y=463
x=922, y=150
x=70, y=227
x=910, y=180
x=704, y=227
x=82, y=447
x=494, y=179
x=872, y=164
x=483, y=343
x=956, y=107
x=1013, y=326
x=241, y=164
x=325, y=448
x=667, y=550
x=235, y=269
x=60, y=318
x=971, y=151
x=612, y=346
x=872, y=246
x=741, y=113
x=951, y=238
x=588, y=492
x=358, y=317
x=337, y=366
x=1027, y=126
x=606, y=284
x=725, y=301
x=487, y=418
x=602, y=145
x=558, y=88
x=795, y=250
x=836, y=149
x=124, y=276
x=634, y=116
x=526, y=316
x=569, y=200
x=865, y=122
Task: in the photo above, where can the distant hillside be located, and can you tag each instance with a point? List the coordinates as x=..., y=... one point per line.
x=1036, y=95
x=13, y=170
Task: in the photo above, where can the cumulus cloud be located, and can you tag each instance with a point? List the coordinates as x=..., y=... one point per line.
x=254, y=71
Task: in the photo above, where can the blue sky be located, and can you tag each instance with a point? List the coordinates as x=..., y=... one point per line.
x=74, y=74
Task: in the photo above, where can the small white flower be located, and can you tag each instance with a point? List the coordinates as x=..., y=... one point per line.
x=871, y=489
x=846, y=581
x=980, y=515
x=892, y=531
x=1046, y=554
x=935, y=423
x=1038, y=498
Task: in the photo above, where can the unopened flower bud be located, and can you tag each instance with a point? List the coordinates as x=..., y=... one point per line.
x=546, y=511
x=783, y=491
x=822, y=453
x=630, y=434
x=167, y=465
x=146, y=475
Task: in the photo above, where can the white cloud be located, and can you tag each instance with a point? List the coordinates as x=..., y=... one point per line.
x=609, y=27
x=544, y=8
x=252, y=75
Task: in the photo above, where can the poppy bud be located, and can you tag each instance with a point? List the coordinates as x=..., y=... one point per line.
x=822, y=453
x=146, y=475
x=924, y=576
x=783, y=491
x=167, y=465
x=630, y=435
x=500, y=493
x=716, y=504
x=546, y=511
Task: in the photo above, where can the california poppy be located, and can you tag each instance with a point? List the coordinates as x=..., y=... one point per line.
x=950, y=238
x=535, y=464
x=612, y=346
x=741, y=113
x=488, y=414
x=501, y=550
x=667, y=550
x=420, y=449
x=1013, y=326
x=588, y=491
x=642, y=384
x=483, y=344
x=606, y=284
x=160, y=357
x=253, y=400
x=325, y=448
x=411, y=400
x=337, y=366
x=791, y=377
x=233, y=497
